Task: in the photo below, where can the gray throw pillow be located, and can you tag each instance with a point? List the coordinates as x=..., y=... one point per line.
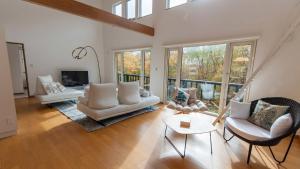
x=265, y=114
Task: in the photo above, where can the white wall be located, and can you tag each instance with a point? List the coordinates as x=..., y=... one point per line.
x=202, y=20
x=280, y=77
x=50, y=36
x=7, y=112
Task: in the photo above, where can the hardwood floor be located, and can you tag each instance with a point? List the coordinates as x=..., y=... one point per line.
x=47, y=139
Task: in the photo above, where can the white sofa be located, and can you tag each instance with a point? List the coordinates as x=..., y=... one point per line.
x=65, y=95
x=118, y=109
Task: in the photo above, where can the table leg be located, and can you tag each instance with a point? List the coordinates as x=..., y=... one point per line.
x=181, y=155
x=166, y=130
x=211, y=151
x=185, y=145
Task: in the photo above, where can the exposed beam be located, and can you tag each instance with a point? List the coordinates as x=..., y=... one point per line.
x=93, y=13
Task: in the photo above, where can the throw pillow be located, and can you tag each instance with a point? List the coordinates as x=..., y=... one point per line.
x=281, y=125
x=265, y=114
x=180, y=97
x=129, y=93
x=39, y=84
x=102, y=96
x=239, y=110
x=60, y=87
x=51, y=88
x=193, y=94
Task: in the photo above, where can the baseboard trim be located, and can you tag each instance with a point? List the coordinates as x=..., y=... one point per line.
x=8, y=134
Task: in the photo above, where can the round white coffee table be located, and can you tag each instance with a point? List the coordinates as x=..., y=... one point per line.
x=198, y=125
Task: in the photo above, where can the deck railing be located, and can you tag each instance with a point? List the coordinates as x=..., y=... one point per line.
x=186, y=83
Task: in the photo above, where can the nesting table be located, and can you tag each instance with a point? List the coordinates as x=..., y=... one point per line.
x=198, y=125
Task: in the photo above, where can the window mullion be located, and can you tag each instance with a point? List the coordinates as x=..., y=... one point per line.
x=137, y=8
x=179, y=66
x=142, y=75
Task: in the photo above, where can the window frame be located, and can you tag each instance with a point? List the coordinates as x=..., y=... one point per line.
x=226, y=66
x=115, y=5
x=168, y=4
x=135, y=8
x=142, y=74
x=140, y=9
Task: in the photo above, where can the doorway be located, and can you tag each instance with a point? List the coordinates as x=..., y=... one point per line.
x=18, y=67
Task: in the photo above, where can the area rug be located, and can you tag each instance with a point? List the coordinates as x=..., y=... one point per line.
x=69, y=109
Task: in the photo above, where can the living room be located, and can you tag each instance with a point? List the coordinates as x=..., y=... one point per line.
x=177, y=35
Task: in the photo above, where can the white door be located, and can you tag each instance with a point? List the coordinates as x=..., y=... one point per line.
x=15, y=57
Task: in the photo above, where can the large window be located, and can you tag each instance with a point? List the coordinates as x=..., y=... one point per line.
x=145, y=7
x=131, y=9
x=173, y=3
x=117, y=8
x=134, y=65
x=204, y=67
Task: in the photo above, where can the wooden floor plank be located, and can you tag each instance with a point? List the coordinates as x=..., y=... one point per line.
x=47, y=139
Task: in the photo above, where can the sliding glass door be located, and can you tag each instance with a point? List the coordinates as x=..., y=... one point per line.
x=202, y=68
x=134, y=65
x=217, y=71
x=240, y=67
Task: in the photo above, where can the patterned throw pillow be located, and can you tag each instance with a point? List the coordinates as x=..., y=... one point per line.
x=51, y=88
x=60, y=87
x=265, y=114
x=180, y=97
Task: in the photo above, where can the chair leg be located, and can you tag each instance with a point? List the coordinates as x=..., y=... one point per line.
x=286, y=153
x=249, y=153
x=224, y=133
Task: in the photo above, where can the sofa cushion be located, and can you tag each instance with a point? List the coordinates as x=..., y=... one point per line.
x=281, y=125
x=129, y=92
x=239, y=110
x=67, y=94
x=102, y=96
x=265, y=114
x=118, y=110
x=247, y=130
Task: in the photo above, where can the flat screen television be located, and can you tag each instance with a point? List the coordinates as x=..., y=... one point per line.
x=75, y=78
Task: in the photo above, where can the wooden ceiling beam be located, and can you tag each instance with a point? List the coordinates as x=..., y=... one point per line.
x=83, y=10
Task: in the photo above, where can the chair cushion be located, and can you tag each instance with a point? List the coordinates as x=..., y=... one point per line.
x=247, y=130
x=281, y=125
x=265, y=114
x=239, y=110
x=129, y=92
x=102, y=96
